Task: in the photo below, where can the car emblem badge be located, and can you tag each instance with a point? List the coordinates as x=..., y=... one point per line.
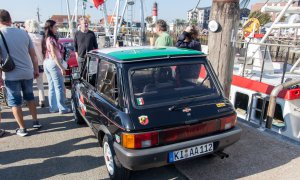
x=143, y=120
x=187, y=110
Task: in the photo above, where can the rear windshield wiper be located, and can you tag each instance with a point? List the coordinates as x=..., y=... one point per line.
x=178, y=102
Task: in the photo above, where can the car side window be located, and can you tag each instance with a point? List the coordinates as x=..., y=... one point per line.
x=107, y=81
x=90, y=70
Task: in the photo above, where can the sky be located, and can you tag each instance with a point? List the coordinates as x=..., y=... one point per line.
x=167, y=9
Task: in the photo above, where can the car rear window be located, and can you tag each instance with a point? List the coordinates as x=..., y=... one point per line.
x=154, y=85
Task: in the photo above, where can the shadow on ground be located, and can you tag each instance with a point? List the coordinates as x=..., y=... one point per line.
x=256, y=152
x=51, y=167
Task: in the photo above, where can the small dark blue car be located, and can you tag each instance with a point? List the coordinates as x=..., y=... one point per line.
x=151, y=107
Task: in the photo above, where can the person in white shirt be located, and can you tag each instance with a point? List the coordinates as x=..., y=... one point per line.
x=33, y=29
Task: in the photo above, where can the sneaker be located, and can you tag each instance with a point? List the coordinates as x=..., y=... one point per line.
x=68, y=110
x=36, y=124
x=21, y=132
x=2, y=132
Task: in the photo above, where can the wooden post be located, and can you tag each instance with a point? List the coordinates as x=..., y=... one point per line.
x=221, y=51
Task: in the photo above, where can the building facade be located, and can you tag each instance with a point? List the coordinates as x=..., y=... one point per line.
x=201, y=15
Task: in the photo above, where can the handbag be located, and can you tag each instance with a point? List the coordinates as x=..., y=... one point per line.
x=6, y=64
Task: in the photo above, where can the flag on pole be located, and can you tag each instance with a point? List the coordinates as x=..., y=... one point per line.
x=97, y=3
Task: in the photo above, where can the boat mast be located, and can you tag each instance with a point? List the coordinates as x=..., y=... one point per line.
x=116, y=22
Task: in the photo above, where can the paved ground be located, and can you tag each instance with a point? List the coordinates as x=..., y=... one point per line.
x=60, y=150
x=63, y=150
x=258, y=155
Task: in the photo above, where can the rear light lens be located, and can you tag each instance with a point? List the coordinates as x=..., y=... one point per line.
x=68, y=71
x=138, y=141
x=155, y=138
x=228, y=122
x=188, y=132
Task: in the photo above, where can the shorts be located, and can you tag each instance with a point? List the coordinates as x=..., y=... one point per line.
x=14, y=89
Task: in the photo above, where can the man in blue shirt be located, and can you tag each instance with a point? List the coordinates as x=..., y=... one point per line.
x=19, y=81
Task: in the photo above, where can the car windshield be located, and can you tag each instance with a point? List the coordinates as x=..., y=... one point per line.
x=154, y=85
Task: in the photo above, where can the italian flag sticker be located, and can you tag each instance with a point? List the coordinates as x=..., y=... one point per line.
x=140, y=101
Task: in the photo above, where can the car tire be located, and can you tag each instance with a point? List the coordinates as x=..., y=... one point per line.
x=115, y=169
x=77, y=116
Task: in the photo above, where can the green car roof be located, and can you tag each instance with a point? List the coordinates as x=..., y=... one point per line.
x=140, y=53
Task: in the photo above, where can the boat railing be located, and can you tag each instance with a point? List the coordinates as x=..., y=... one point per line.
x=264, y=48
x=273, y=96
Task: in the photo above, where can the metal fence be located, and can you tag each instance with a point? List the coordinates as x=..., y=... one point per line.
x=285, y=53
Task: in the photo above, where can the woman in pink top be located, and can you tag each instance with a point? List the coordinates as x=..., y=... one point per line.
x=54, y=70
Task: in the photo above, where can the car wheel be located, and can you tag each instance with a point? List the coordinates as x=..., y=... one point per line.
x=115, y=169
x=77, y=116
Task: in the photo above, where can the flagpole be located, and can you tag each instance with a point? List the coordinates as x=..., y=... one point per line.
x=107, y=27
x=70, y=25
x=76, y=13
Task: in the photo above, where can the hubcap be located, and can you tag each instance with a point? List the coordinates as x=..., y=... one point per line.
x=109, y=162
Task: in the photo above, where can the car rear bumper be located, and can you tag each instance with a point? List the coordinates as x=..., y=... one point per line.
x=158, y=156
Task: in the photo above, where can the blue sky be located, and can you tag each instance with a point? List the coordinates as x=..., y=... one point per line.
x=168, y=9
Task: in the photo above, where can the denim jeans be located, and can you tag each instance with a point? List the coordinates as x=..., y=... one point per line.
x=56, y=86
x=14, y=89
x=80, y=62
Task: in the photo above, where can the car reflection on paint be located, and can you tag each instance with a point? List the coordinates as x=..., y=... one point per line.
x=151, y=107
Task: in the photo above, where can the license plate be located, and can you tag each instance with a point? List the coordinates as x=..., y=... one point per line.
x=190, y=152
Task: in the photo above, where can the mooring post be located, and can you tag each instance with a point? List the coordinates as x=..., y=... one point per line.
x=221, y=52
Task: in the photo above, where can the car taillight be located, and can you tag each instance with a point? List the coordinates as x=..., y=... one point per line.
x=141, y=140
x=188, y=132
x=68, y=71
x=228, y=122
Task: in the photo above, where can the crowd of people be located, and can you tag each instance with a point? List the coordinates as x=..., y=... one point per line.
x=188, y=39
x=34, y=54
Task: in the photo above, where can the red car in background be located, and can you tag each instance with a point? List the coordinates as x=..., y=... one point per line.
x=68, y=43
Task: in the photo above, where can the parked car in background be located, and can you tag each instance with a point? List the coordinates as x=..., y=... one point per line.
x=151, y=107
x=68, y=43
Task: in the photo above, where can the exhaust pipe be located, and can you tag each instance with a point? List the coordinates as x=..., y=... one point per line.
x=221, y=154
